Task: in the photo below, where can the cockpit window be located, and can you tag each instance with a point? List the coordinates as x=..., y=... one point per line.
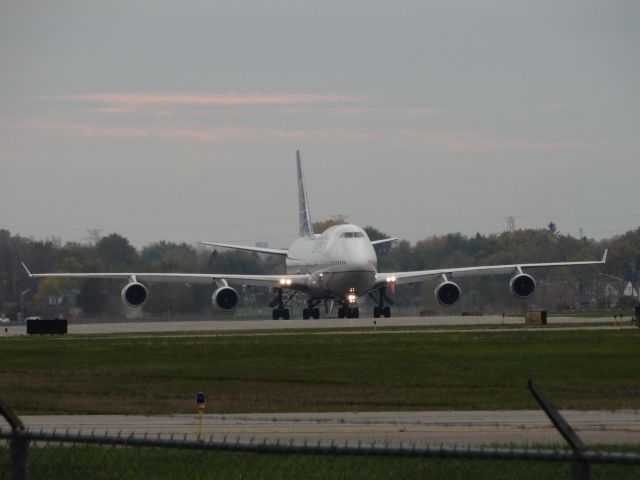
x=352, y=235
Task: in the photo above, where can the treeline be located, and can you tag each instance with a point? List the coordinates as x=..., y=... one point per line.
x=558, y=289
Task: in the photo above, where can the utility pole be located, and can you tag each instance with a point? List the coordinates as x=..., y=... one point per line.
x=511, y=223
x=93, y=235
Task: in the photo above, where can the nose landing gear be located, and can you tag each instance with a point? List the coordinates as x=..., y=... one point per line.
x=311, y=311
x=348, y=312
x=349, y=308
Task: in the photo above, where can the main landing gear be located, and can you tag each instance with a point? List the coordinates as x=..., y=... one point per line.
x=281, y=312
x=382, y=310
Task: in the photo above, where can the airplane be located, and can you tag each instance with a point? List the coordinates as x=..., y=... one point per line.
x=337, y=266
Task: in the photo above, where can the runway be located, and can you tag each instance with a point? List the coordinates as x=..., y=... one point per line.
x=330, y=323
x=476, y=428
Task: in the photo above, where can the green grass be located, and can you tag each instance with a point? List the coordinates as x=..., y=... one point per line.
x=81, y=462
x=308, y=372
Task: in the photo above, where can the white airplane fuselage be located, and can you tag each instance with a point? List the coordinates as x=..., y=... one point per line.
x=341, y=261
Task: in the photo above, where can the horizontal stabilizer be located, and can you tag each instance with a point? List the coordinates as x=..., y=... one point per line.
x=384, y=240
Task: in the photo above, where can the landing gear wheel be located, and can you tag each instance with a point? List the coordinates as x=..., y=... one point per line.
x=279, y=313
x=376, y=312
x=341, y=312
x=353, y=312
x=315, y=313
x=387, y=312
x=305, y=314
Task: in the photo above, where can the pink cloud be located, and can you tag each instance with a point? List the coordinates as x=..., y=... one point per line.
x=450, y=141
x=359, y=112
x=136, y=100
x=208, y=135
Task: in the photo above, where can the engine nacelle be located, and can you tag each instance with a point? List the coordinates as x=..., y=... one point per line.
x=134, y=294
x=522, y=286
x=225, y=299
x=448, y=293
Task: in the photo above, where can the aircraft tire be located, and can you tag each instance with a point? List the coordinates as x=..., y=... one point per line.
x=305, y=314
x=275, y=314
x=315, y=313
x=341, y=312
x=376, y=312
x=285, y=314
x=387, y=312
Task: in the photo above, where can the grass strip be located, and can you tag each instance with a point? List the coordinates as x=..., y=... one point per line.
x=309, y=372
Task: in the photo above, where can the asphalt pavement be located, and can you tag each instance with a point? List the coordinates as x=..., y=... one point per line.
x=517, y=427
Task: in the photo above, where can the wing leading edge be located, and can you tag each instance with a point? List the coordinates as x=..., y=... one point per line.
x=289, y=281
x=417, y=276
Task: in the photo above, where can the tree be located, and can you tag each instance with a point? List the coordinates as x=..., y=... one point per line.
x=116, y=252
x=320, y=227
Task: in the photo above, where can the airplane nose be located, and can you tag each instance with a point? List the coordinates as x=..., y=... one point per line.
x=358, y=257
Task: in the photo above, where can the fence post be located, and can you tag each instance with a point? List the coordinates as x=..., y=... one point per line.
x=580, y=469
x=19, y=446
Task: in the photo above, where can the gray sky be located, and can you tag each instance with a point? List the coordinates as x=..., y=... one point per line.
x=180, y=120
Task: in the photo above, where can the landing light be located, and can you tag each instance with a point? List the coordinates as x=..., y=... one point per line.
x=352, y=298
x=285, y=281
x=391, y=279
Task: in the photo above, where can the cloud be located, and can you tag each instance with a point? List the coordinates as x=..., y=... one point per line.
x=138, y=100
x=191, y=134
x=366, y=112
x=405, y=138
x=474, y=142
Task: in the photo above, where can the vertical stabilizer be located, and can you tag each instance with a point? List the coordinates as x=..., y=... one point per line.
x=306, y=230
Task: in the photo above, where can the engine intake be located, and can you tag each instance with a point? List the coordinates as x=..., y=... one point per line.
x=448, y=293
x=134, y=294
x=522, y=286
x=225, y=299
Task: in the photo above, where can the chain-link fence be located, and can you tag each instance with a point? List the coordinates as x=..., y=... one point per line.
x=44, y=454
x=36, y=455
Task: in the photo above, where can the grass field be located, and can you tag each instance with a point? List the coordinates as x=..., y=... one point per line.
x=115, y=463
x=328, y=372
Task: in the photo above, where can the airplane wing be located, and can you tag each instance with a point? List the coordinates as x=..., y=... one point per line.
x=293, y=282
x=400, y=278
x=272, y=251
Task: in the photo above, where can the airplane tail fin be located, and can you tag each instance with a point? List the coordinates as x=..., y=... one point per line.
x=306, y=229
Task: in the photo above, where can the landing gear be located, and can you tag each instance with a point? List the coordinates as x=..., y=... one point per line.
x=381, y=310
x=349, y=312
x=281, y=311
x=311, y=311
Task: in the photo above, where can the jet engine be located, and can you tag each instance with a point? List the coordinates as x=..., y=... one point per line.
x=225, y=299
x=522, y=286
x=134, y=294
x=448, y=293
